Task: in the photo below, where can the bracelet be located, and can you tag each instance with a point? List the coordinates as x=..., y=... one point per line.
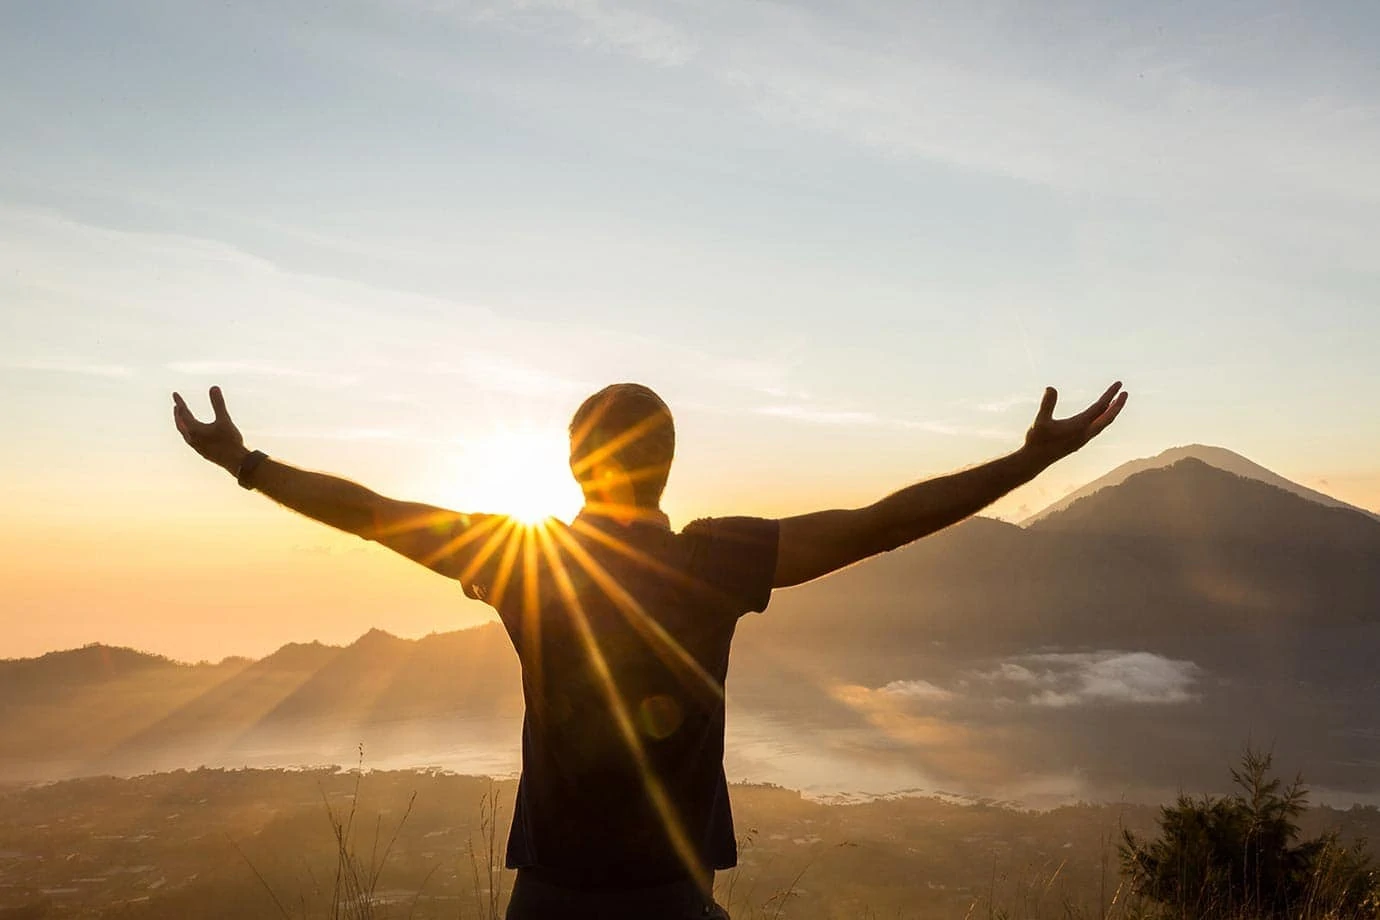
x=247, y=467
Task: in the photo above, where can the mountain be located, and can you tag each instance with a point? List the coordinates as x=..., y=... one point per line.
x=1171, y=560
x=1192, y=501
x=1131, y=639
x=1142, y=631
x=1218, y=457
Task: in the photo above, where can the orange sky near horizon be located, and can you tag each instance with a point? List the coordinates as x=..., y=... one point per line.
x=211, y=571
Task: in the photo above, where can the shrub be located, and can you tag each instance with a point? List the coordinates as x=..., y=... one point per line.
x=1239, y=856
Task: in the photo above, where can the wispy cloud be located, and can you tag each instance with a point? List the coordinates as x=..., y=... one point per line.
x=235, y=368
x=502, y=374
x=814, y=415
x=410, y=333
x=1006, y=404
x=820, y=416
x=70, y=366
x=599, y=26
x=910, y=83
x=355, y=434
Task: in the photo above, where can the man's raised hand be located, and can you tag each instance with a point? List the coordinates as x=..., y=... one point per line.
x=1051, y=439
x=217, y=440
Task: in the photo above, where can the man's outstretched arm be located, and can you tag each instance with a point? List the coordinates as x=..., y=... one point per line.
x=812, y=545
x=423, y=533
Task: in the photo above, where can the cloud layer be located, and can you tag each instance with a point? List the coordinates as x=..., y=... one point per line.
x=1057, y=680
x=1104, y=677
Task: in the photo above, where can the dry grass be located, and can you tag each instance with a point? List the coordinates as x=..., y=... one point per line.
x=355, y=885
x=486, y=862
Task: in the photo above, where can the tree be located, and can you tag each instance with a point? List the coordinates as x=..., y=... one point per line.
x=1239, y=856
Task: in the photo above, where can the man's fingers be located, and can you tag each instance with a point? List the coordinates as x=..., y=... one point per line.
x=1100, y=406
x=1106, y=398
x=1046, y=412
x=218, y=405
x=187, y=424
x=180, y=409
x=182, y=416
x=1108, y=416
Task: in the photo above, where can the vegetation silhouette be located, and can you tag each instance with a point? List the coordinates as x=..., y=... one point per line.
x=354, y=892
x=1240, y=856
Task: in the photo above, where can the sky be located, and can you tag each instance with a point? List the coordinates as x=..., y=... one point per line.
x=849, y=244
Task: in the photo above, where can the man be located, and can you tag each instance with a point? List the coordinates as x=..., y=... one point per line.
x=623, y=627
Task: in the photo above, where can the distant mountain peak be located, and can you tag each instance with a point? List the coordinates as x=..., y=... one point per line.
x=1218, y=457
x=376, y=636
x=1192, y=502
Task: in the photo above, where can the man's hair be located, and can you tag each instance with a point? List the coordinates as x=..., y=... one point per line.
x=625, y=428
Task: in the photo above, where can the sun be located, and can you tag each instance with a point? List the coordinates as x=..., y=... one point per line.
x=520, y=472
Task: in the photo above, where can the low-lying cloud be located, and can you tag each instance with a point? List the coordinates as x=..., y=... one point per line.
x=917, y=690
x=1060, y=680
x=1057, y=680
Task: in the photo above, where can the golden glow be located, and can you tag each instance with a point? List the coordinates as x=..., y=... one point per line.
x=520, y=472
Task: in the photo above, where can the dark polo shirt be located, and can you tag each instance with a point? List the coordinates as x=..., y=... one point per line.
x=623, y=632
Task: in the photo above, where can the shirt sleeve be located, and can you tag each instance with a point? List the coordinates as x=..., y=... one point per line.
x=736, y=556
x=481, y=555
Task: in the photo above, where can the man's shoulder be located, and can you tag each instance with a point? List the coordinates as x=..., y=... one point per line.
x=735, y=527
x=737, y=556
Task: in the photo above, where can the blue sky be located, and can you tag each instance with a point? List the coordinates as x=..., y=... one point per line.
x=849, y=243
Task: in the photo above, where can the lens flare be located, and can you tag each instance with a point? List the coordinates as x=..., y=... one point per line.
x=520, y=472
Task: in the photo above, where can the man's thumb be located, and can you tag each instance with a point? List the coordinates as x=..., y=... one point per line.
x=1047, y=403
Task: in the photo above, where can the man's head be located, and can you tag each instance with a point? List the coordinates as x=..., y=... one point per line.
x=622, y=441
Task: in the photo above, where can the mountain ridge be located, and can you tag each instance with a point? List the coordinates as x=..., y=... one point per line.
x=1165, y=505
x=1218, y=457
x=1185, y=485
x=1260, y=603
x=1164, y=561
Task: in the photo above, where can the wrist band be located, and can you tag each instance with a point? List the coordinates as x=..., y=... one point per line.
x=247, y=467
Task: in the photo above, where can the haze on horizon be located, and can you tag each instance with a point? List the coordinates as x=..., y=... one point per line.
x=849, y=248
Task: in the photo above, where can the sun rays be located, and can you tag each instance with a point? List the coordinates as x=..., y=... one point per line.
x=555, y=566
x=662, y=642
x=627, y=728
x=555, y=582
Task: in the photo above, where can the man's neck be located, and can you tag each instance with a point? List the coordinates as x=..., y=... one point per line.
x=626, y=515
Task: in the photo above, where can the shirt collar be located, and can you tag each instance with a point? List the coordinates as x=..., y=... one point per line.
x=623, y=516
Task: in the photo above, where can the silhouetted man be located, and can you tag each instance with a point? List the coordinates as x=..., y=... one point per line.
x=623, y=627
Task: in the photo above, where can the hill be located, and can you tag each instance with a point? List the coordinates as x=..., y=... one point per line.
x=96, y=709
x=73, y=669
